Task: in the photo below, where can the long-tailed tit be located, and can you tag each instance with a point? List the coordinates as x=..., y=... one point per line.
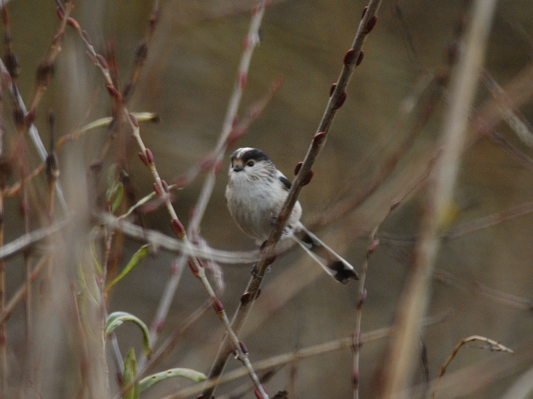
x=255, y=194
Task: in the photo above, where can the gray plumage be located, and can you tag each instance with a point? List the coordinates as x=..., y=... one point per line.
x=256, y=192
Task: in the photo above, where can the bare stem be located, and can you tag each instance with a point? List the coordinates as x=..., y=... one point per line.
x=493, y=346
x=267, y=255
x=250, y=42
x=295, y=356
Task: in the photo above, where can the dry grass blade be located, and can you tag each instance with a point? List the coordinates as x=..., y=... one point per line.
x=493, y=346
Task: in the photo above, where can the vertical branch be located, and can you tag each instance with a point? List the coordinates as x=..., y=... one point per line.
x=362, y=294
x=401, y=353
x=267, y=255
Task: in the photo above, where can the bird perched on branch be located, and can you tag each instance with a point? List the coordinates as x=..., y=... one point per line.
x=255, y=194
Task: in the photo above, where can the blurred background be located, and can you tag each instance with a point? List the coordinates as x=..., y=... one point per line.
x=379, y=149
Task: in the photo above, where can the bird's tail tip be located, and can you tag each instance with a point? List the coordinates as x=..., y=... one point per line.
x=342, y=272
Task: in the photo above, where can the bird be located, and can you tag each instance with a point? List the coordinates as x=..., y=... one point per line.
x=255, y=194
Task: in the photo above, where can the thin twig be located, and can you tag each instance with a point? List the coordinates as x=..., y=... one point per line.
x=295, y=356
x=21, y=292
x=161, y=189
x=22, y=243
x=267, y=255
x=493, y=346
x=413, y=303
x=161, y=241
x=250, y=42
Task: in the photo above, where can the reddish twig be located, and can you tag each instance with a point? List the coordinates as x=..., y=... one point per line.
x=212, y=164
x=267, y=255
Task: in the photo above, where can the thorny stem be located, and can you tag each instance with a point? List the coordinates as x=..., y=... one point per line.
x=250, y=42
x=267, y=255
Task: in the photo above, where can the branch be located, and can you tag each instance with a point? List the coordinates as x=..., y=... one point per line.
x=250, y=42
x=413, y=303
x=315, y=350
x=493, y=346
x=267, y=255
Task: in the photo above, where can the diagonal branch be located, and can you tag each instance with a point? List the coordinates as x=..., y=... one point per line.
x=267, y=255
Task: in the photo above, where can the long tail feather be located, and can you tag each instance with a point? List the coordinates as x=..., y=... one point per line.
x=327, y=258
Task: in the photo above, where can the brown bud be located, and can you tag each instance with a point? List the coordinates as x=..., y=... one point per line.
x=193, y=267
x=114, y=92
x=246, y=297
x=364, y=12
x=86, y=37
x=165, y=186
x=332, y=89
x=91, y=57
x=349, y=58
x=297, y=168
x=177, y=227
x=370, y=25
x=244, y=349
x=143, y=158
x=60, y=13
x=308, y=178
x=360, y=58
x=102, y=61
x=134, y=120
x=341, y=100
x=149, y=156
x=157, y=190
x=319, y=138
x=217, y=305
x=72, y=22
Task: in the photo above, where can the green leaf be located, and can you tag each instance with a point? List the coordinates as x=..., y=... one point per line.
x=116, y=319
x=180, y=372
x=140, y=116
x=135, y=261
x=118, y=191
x=130, y=372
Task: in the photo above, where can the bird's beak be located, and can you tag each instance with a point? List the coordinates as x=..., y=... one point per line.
x=237, y=168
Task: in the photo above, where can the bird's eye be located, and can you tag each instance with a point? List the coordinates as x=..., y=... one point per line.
x=250, y=163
